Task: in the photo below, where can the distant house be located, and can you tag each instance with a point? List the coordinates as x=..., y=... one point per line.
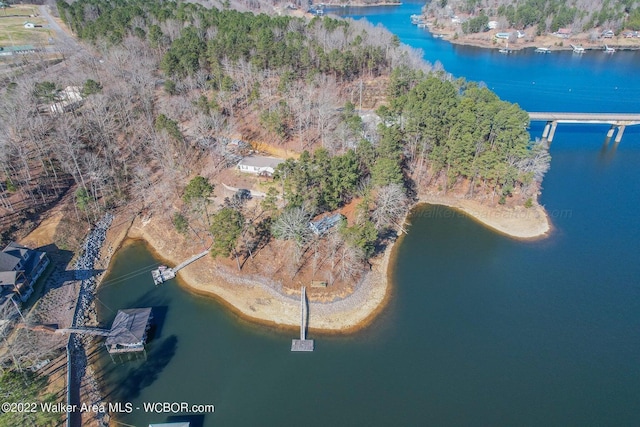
x=259, y=165
x=492, y=25
x=503, y=35
x=608, y=34
x=321, y=226
x=563, y=33
x=20, y=267
x=29, y=25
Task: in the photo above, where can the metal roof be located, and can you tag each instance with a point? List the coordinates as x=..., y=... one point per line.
x=129, y=327
x=260, y=161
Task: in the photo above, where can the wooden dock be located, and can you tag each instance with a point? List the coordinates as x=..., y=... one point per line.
x=164, y=273
x=303, y=344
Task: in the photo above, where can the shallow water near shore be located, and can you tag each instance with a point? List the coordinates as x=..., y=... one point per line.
x=480, y=330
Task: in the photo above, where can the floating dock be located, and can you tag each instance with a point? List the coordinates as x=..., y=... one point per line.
x=164, y=273
x=303, y=344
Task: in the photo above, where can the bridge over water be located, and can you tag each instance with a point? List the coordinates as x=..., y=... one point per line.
x=616, y=120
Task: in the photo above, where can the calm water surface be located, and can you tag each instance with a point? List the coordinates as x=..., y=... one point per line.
x=482, y=330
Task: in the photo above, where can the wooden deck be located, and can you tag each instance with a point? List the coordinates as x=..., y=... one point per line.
x=303, y=344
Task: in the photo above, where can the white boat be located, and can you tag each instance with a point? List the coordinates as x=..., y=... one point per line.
x=608, y=49
x=543, y=50
x=577, y=49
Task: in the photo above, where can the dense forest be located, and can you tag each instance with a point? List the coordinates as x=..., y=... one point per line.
x=166, y=86
x=545, y=15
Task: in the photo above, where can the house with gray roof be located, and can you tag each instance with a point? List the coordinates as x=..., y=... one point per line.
x=259, y=165
x=20, y=267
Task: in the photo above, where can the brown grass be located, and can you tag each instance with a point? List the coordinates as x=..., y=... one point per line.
x=12, y=31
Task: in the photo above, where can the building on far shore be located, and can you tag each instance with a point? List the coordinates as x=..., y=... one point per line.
x=259, y=165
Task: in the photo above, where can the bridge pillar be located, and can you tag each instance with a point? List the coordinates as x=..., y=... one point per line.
x=610, y=132
x=545, y=134
x=620, y=133
x=554, y=124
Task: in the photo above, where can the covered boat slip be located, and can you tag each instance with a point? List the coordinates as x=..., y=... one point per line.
x=129, y=331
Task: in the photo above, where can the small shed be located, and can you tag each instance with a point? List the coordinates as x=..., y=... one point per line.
x=29, y=25
x=129, y=331
x=259, y=165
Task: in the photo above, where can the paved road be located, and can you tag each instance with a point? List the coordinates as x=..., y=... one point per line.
x=61, y=34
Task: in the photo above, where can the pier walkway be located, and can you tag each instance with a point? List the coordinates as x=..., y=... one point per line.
x=303, y=344
x=616, y=120
x=164, y=273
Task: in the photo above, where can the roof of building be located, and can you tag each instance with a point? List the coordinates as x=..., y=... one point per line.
x=322, y=225
x=20, y=48
x=8, y=278
x=8, y=262
x=129, y=326
x=261, y=161
x=180, y=424
x=16, y=249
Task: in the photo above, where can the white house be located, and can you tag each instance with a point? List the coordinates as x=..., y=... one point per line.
x=259, y=165
x=492, y=25
x=29, y=25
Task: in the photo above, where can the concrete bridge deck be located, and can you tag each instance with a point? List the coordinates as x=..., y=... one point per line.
x=604, y=118
x=616, y=120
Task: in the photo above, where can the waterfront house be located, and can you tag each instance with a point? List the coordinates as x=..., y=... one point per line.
x=563, y=33
x=20, y=267
x=321, y=226
x=259, y=165
x=608, y=34
x=503, y=35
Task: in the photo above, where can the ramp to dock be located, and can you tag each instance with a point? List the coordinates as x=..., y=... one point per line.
x=303, y=344
x=163, y=273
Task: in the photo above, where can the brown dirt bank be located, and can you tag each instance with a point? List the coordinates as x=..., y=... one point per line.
x=516, y=222
x=260, y=299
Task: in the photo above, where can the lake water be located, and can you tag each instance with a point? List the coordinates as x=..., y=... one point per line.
x=481, y=330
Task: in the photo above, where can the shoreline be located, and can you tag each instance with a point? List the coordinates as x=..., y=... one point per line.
x=257, y=299
x=518, y=223
x=487, y=40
